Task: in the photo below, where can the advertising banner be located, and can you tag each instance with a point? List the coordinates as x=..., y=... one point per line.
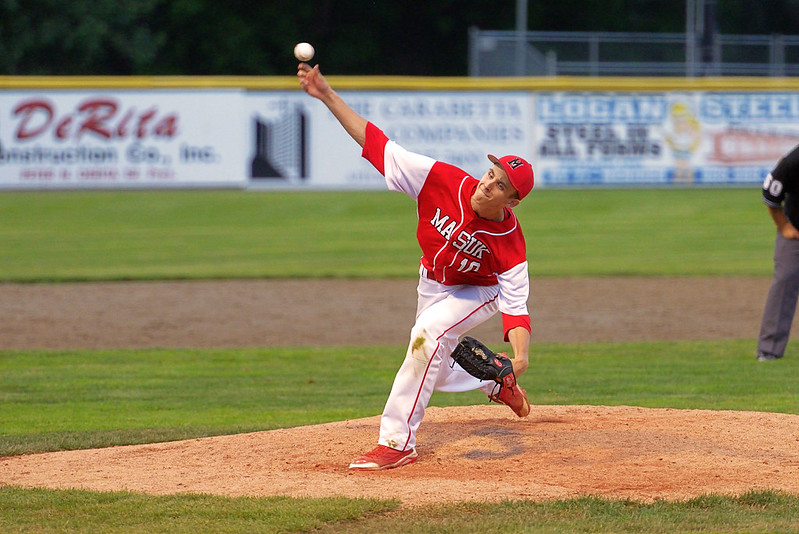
x=662, y=138
x=297, y=141
x=63, y=139
x=286, y=139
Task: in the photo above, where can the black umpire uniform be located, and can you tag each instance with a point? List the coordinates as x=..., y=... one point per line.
x=781, y=195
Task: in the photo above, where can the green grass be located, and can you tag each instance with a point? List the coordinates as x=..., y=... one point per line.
x=753, y=512
x=648, y=232
x=202, y=234
x=81, y=399
x=106, y=235
x=37, y=510
x=72, y=511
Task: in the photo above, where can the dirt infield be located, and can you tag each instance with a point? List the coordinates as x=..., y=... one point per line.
x=474, y=452
x=241, y=313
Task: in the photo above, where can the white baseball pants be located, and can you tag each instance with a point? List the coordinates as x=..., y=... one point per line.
x=443, y=315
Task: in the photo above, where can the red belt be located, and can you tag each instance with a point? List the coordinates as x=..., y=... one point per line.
x=431, y=275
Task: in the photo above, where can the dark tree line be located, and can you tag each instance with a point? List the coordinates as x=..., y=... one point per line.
x=251, y=37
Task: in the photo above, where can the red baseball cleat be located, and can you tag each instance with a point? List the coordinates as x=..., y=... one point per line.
x=515, y=397
x=382, y=457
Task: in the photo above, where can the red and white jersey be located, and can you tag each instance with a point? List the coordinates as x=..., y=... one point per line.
x=458, y=246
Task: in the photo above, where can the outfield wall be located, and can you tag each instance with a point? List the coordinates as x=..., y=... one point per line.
x=240, y=132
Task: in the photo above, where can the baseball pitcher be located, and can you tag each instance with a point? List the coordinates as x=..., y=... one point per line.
x=473, y=265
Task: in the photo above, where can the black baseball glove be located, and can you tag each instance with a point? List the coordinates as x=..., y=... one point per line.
x=481, y=362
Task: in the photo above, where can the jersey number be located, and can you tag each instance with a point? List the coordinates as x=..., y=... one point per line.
x=467, y=267
x=774, y=187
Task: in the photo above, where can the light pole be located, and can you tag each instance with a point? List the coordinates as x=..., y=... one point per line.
x=521, y=37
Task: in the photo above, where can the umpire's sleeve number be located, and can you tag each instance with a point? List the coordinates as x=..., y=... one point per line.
x=772, y=186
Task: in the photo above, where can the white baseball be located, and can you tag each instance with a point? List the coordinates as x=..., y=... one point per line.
x=303, y=51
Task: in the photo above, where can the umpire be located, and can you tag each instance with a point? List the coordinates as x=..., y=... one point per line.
x=781, y=196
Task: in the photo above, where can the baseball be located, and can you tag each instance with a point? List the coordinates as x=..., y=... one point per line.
x=303, y=51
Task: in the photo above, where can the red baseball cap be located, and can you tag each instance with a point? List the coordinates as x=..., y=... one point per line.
x=519, y=171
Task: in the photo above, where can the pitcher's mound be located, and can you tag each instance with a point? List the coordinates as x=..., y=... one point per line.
x=465, y=453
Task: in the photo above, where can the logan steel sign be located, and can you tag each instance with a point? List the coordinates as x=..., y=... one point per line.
x=662, y=138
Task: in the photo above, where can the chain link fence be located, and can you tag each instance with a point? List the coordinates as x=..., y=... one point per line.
x=510, y=53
